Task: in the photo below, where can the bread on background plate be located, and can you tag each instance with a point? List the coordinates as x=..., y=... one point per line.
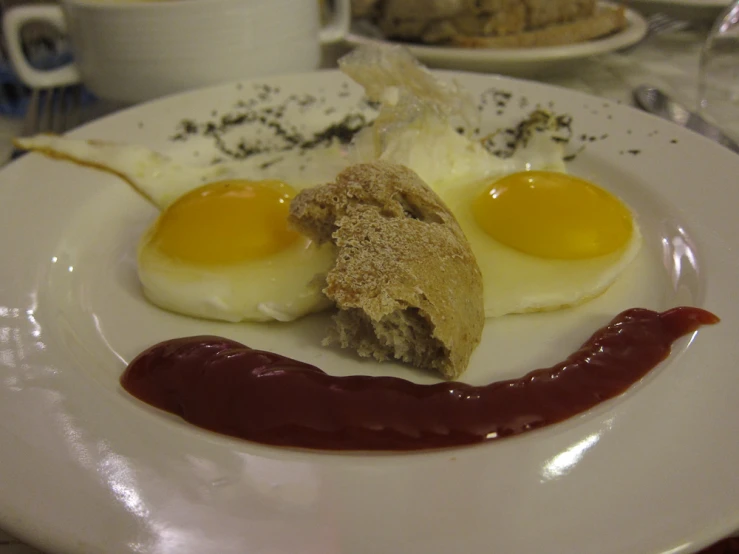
x=494, y=23
x=604, y=21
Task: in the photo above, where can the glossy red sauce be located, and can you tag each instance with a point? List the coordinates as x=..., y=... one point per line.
x=727, y=546
x=260, y=396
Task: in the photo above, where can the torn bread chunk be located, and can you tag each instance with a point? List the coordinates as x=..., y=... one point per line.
x=405, y=282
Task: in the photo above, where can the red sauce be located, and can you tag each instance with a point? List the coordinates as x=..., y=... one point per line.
x=726, y=546
x=227, y=387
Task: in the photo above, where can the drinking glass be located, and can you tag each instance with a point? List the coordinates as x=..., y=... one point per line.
x=718, y=75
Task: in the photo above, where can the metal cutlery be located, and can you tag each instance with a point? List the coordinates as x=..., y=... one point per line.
x=657, y=24
x=656, y=102
x=53, y=110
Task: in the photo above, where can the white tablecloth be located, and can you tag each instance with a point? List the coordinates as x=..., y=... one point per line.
x=669, y=62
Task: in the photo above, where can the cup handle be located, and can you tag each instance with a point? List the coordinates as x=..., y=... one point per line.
x=338, y=26
x=13, y=22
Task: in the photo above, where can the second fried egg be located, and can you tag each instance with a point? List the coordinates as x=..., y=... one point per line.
x=544, y=240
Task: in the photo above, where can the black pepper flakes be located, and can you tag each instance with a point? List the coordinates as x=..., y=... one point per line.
x=572, y=156
x=372, y=104
x=272, y=132
x=537, y=121
x=269, y=163
x=499, y=98
x=186, y=127
x=343, y=131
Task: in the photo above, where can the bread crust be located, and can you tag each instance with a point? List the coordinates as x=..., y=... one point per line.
x=501, y=23
x=604, y=22
x=405, y=282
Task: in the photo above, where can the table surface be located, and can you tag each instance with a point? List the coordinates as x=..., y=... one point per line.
x=669, y=62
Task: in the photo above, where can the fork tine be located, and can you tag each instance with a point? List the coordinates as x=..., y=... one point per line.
x=31, y=123
x=657, y=24
x=52, y=110
x=657, y=17
x=668, y=25
x=46, y=117
x=60, y=110
x=66, y=108
x=75, y=105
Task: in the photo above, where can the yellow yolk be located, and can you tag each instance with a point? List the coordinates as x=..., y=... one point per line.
x=226, y=222
x=553, y=215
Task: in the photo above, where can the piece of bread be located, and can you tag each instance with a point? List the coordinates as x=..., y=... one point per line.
x=405, y=282
x=543, y=13
x=605, y=21
x=425, y=9
x=426, y=22
x=364, y=8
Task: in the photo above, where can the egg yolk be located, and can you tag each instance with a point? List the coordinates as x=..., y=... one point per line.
x=226, y=222
x=553, y=215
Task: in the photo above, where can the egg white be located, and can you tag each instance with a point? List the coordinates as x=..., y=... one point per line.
x=281, y=287
x=162, y=180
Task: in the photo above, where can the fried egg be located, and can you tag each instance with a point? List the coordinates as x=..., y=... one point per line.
x=223, y=251
x=543, y=240
x=221, y=248
x=532, y=227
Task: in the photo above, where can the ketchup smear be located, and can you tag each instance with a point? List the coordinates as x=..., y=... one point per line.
x=260, y=396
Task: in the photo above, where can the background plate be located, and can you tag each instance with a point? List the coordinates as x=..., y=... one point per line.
x=518, y=62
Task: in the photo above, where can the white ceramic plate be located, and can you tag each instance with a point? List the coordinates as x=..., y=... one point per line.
x=87, y=468
x=519, y=62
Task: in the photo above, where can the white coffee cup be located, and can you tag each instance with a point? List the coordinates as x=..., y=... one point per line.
x=130, y=51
